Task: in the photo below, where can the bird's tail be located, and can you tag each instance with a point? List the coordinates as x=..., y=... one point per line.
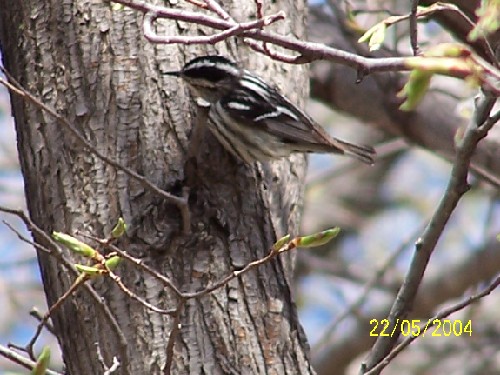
x=361, y=152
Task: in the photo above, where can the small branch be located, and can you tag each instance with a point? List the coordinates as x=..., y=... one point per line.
x=272, y=254
x=24, y=239
x=265, y=50
x=258, y=5
x=233, y=30
x=38, y=316
x=187, y=295
x=135, y=297
x=108, y=244
x=183, y=297
x=31, y=344
x=439, y=316
x=216, y=8
x=457, y=187
x=198, y=3
x=413, y=27
x=140, y=264
x=306, y=52
x=323, y=341
x=100, y=358
x=55, y=251
x=176, y=328
x=283, y=245
x=22, y=361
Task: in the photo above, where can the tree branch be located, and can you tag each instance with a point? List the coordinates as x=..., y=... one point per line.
x=432, y=125
x=481, y=267
x=457, y=187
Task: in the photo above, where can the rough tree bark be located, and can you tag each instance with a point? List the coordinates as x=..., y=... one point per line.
x=89, y=61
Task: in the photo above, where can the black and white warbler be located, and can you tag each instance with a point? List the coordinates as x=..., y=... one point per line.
x=253, y=120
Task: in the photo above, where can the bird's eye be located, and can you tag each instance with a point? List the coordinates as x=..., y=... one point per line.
x=209, y=73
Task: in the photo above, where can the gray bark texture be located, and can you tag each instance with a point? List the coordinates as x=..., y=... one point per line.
x=90, y=62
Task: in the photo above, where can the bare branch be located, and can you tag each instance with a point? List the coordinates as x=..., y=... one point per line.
x=413, y=27
x=323, y=341
x=457, y=187
x=264, y=49
x=176, y=328
x=216, y=8
x=480, y=268
x=307, y=52
x=135, y=297
x=23, y=361
x=432, y=125
x=234, y=30
x=107, y=370
x=140, y=264
x=35, y=313
x=438, y=317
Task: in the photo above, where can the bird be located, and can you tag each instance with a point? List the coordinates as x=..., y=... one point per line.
x=252, y=119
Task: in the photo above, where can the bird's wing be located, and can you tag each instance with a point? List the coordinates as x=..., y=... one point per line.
x=271, y=112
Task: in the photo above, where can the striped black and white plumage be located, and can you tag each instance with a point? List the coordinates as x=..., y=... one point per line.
x=253, y=120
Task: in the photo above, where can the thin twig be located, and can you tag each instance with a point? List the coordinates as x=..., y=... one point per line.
x=457, y=187
x=22, y=361
x=35, y=313
x=233, y=30
x=216, y=8
x=216, y=285
x=24, y=239
x=55, y=251
x=265, y=50
x=307, y=52
x=108, y=244
x=100, y=358
x=225, y=280
x=31, y=344
x=414, y=27
x=135, y=297
x=141, y=265
x=439, y=316
x=259, y=6
x=176, y=328
x=379, y=274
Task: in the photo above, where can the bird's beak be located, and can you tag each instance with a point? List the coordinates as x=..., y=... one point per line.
x=175, y=73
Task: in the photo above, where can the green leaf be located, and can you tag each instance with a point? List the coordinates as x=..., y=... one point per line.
x=112, y=262
x=89, y=270
x=488, y=20
x=374, y=36
x=282, y=241
x=42, y=362
x=449, y=66
x=119, y=229
x=117, y=7
x=318, y=239
x=448, y=50
x=74, y=245
x=415, y=89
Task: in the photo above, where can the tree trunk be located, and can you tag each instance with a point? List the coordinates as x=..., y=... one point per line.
x=90, y=62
